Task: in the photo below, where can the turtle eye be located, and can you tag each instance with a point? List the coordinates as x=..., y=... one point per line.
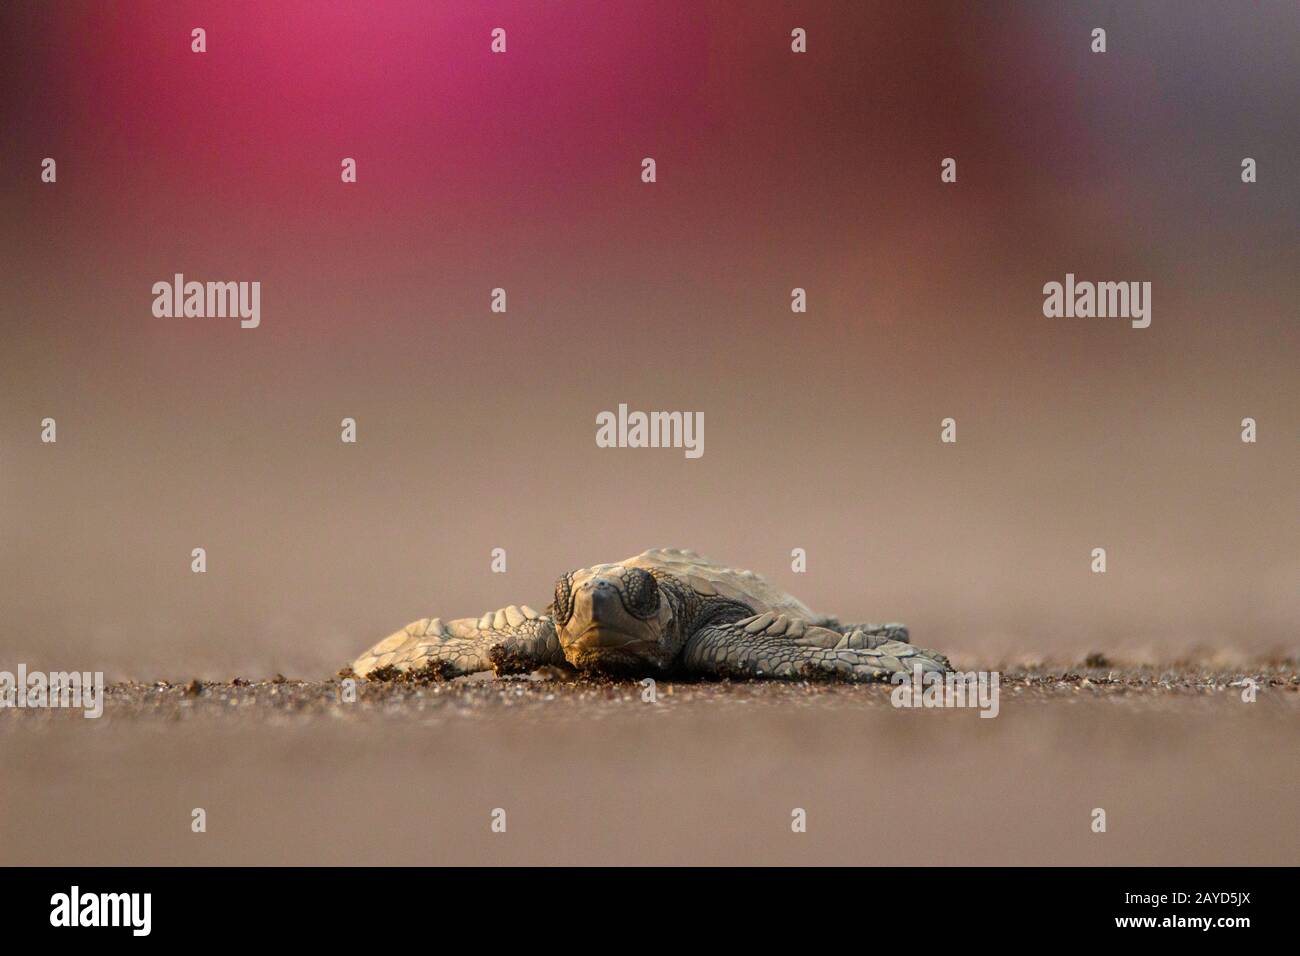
x=642, y=592
x=562, y=606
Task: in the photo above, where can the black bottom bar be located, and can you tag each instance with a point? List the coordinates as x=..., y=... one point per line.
x=302, y=905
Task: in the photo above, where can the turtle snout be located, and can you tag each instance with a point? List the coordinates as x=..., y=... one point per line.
x=606, y=605
x=613, y=610
x=611, y=599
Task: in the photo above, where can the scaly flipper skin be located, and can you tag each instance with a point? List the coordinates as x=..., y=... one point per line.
x=511, y=640
x=774, y=646
x=875, y=634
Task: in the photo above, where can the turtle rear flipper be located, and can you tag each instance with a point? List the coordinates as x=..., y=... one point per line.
x=510, y=640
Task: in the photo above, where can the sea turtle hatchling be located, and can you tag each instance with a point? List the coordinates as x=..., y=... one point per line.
x=661, y=612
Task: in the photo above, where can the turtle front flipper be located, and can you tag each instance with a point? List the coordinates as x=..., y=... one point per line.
x=873, y=634
x=775, y=646
x=511, y=640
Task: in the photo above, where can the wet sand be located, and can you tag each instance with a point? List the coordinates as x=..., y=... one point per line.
x=588, y=772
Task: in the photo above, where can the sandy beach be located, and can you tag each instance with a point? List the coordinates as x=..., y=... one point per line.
x=587, y=772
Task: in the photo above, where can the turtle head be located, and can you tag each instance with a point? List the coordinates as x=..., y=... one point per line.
x=614, y=619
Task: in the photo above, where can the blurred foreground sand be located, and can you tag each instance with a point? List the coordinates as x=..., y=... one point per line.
x=588, y=773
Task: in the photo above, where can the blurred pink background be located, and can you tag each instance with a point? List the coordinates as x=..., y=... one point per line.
x=775, y=170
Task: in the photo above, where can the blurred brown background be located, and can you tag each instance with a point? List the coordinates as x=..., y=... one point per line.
x=476, y=430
